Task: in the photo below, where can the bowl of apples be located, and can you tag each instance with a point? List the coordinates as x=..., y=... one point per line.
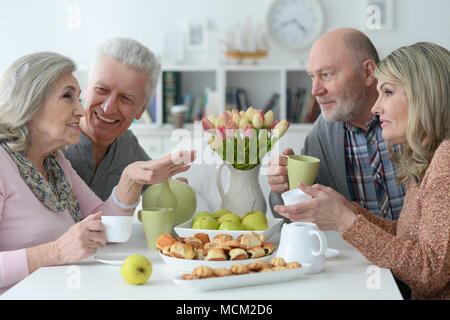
x=224, y=221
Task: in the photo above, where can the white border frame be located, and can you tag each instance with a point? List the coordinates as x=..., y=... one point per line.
x=203, y=24
x=371, y=12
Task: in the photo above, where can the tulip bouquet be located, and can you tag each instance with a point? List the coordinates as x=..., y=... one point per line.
x=242, y=138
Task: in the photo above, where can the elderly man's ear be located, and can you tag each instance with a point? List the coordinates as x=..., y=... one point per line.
x=139, y=115
x=368, y=67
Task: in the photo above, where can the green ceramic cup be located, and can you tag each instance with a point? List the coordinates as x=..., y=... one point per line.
x=156, y=221
x=302, y=169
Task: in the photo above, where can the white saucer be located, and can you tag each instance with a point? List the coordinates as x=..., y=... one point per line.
x=112, y=258
x=331, y=253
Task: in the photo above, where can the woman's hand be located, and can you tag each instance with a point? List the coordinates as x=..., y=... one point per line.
x=327, y=208
x=81, y=240
x=151, y=172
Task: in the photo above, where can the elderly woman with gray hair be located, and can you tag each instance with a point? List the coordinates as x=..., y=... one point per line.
x=48, y=215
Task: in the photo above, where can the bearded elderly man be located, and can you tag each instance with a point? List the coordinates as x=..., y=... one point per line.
x=354, y=159
x=121, y=83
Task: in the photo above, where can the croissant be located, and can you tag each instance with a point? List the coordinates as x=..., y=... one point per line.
x=250, y=240
x=164, y=240
x=268, y=248
x=256, y=252
x=196, y=242
x=204, y=238
x=238, y=254
x=216, y=255
x=183, y=251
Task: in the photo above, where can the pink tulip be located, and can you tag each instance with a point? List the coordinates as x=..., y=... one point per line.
x=231, y=124
x=248, y=131
x=225, y=116
x=274, y=123
x=223, y=132
x=207, y=125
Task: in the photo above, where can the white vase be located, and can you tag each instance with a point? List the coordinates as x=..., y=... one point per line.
x=243, y=192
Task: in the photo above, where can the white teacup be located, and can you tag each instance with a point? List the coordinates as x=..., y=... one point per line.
x=117, y=228
x=298, y=242
x=294, y=196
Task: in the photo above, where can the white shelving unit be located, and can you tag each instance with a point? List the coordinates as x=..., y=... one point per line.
x=260, y=82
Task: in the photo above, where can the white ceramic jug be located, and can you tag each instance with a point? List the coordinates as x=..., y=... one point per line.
x=243, y=192
x=298, y=242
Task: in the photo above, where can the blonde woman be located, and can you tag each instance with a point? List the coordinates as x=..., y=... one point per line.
x=414, y=108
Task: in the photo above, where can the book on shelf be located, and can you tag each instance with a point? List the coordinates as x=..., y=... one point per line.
x=301, y=106
x=272, y=103
x=236, y=98
x=171, y=93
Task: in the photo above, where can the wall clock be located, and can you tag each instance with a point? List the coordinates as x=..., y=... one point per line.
x=295, y=24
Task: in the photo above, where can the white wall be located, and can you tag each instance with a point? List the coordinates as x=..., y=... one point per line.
x=31, y=25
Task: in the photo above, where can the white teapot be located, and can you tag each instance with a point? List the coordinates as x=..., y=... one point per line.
x=298, y=243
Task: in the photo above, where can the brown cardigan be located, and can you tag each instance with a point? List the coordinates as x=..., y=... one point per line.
x=417, y=247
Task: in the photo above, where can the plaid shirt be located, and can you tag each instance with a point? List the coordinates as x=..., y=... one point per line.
x=370, y=172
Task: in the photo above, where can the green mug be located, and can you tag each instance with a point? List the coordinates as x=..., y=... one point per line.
x=302, y=169
x=156, y=221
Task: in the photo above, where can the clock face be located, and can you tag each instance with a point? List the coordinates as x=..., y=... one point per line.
x=295, y=23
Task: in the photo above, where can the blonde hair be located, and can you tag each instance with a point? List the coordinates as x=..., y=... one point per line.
x=423, y=71
x=24, y=87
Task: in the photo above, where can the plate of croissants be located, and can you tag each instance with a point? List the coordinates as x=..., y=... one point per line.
x=260, y=272
x=222, y=251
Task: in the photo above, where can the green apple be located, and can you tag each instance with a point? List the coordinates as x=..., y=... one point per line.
x=200, y=214
x=229, y=217
x=231, y=225
x=136, y=269
x=218, y=213
x=206, y=222
x=255, y=222
x=253, y=212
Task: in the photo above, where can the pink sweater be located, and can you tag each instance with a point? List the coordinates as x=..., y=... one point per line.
x=417, y=247
x=25, y=222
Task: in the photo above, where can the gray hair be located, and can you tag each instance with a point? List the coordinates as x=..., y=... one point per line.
x=133, y=54
x=24, y=88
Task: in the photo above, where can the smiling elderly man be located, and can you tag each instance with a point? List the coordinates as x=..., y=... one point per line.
x=346, y=137
x=121, y=83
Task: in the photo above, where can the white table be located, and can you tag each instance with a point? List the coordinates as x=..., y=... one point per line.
x=347, y=276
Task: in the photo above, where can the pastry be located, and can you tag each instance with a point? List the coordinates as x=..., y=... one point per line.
x=215, y=254
x=188, y=276
x=222, y=272
x=166, y=250
x=258, y=265
x=293, y=265
x=277, y=262
x=237, y=254
x=279, y=268
x=164, y=240
x=268, y=248
x=206, y=247
x=196, y=242
x=204, y=238
x=256, y=252
x=183, y=250
x=250, y=240
x=202, y=272
x=239, y=269
x=233, y=243
x=221, y=239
